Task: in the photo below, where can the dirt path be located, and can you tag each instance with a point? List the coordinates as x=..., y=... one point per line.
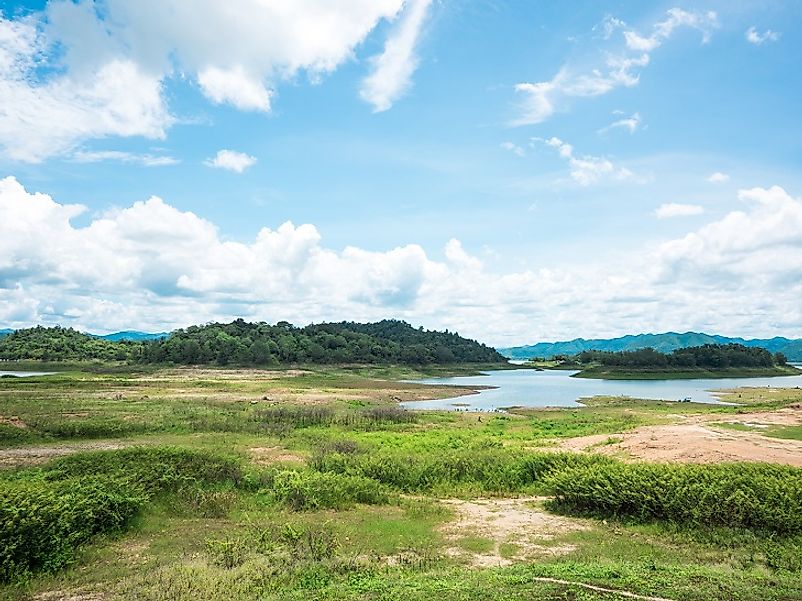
x=515, y=528
x=699, y=439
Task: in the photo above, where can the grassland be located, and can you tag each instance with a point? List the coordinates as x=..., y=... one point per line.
x=312, y=484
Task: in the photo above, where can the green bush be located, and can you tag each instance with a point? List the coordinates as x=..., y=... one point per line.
x=153, y=468
x=494, y=470
x=756, y=496
x=301, y=490
x=42, y=523
x=46, y=514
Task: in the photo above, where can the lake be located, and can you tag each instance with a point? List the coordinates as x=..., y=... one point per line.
x=25, y=374
x=556, y=388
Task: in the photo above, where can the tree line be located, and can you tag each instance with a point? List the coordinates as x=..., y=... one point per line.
x=258, y=344
x=707, y=356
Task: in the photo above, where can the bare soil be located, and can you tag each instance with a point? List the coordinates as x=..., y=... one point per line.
x=24, y=456
x=698, y=439
x=517, y=523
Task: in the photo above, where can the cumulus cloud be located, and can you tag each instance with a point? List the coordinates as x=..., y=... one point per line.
x=540, y=100
x=587, y=169
x=231, y=160
x=718, y=178
x=392, y=70
x=235, y=87
x=82, y=70
x=753, y=36
x=152, y=266
x=674, y=209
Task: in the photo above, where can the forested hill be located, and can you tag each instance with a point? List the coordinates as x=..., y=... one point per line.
x=257, y=344
x=388, y=341
x=665, y=343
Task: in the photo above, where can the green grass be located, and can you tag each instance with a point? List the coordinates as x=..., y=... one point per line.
x=788, y=432
x=194, y=519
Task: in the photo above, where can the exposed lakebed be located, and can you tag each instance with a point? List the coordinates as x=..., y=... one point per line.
x=556, y=388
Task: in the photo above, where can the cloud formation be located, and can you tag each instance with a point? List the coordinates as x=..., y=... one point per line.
x=152, y=266
x=148, y=160
x=542, y=99
x=587, y=169
x=630, y=124
x=753, y=36
x=675, y=209
x=231, y=160
x=81, y=70
x=391, y=73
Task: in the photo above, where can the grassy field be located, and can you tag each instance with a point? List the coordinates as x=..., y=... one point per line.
x=312, y=484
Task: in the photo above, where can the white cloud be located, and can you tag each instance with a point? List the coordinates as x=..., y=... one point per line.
x=676, y=17
x=753, y=36
x=542, y=99
x=518, y=151
x=81, y=70
x=718, y=178
x=392, y=70
x=674, y=209
x=154, y=267
x=587, y=169
x=231, y=160
x=148, y=160
x=610, y=25
x=631, y=124
x=235, y=87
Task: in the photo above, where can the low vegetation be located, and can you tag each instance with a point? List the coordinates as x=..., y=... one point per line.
x=315, y=484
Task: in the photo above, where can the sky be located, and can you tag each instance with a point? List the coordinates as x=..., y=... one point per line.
x=515, y=171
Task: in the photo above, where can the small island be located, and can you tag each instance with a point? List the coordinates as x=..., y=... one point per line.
x=706, y=361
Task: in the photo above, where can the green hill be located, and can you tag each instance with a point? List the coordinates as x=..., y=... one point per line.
x=664, y=343
x=258, y=344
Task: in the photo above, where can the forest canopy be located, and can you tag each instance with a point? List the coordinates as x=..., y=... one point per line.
x=258, y=344
x=707, y=356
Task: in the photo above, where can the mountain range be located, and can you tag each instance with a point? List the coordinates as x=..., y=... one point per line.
x=134, y=335
x=665, y=343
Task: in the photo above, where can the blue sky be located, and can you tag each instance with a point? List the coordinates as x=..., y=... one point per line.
x=518, y=171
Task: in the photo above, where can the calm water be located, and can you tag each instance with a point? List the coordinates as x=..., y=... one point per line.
x=25, y=374
x=555, y=388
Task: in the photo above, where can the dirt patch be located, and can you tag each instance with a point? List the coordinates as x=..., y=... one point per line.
x=13, y=420
x=516, y=529
x=692, y=443
x=24, y=456
x=70, y=596
x=270, y=455
x=788, y=416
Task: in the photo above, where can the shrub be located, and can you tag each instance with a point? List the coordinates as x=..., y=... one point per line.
x=46, y=514
x=302, y=490
x=496, y=470
x=756, y=496
x=42, y=523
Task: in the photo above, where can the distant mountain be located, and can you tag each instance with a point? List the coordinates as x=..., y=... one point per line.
x=134, y=335
x=665, y=343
